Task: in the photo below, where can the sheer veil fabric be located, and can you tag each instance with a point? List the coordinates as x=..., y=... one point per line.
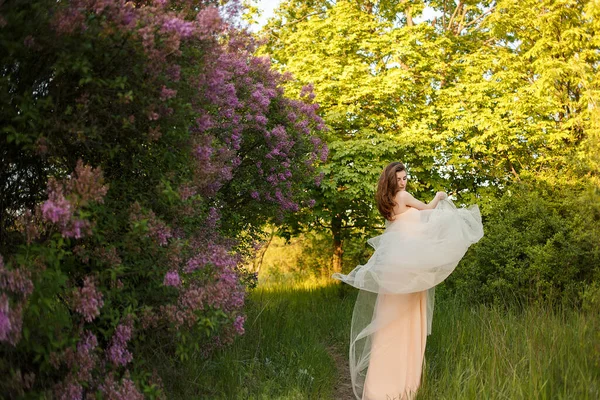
x=394, y=307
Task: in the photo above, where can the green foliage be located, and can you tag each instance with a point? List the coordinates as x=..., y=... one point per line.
x=521, y=103
x=484, y=95
x=540, y=244
x=303, y=257
x=353, y=56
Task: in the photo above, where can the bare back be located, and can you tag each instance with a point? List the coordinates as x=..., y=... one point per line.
x=401, y=207
x=405, y=201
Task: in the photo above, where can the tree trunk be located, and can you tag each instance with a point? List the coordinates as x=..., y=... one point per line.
x=409, y=18
x=258, y=261
x=338, y=251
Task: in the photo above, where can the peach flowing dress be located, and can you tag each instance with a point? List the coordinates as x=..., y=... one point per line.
x=394, y=308
x=398, y=349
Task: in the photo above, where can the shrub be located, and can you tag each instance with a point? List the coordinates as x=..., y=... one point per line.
x=540, y=244
x=139, y=140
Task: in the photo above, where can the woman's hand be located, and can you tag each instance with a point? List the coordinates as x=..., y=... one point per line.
x=441, y=195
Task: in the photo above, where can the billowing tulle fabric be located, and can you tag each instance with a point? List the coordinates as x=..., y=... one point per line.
x=416, y=252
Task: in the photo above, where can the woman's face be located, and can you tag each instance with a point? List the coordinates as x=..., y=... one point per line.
x=401, y=179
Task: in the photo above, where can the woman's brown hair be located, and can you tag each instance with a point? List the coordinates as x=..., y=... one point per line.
x=387, y=187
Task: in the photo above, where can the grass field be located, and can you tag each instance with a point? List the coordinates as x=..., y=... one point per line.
x=296, y=343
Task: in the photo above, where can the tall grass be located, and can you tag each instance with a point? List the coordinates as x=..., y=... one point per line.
x=529, y=352
x=295, y=332
x=284, y=354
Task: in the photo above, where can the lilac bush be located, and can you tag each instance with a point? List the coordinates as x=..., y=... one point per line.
x=141, y=139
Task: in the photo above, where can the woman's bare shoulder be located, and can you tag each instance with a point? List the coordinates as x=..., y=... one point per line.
x=404, y=195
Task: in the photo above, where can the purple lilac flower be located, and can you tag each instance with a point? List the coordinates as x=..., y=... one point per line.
x=127, y=15
x=68, y=391
x=204, y=153
x=172, y=279
x=174, y=71
x=166, y=93
x=88, y=300
x=307, y=90
x=85, y=358
x=229, y=277
x=279, y=132
x=213, y=217
x=319, y=179
x=324, y=153
x=108, y=256
x=192, y=299
x=185, y=192
x=57, y=209
x=77, y=229
x=68, y=21
x=88, y=342
x=209, y=20
x=5, y=325
x=100, y=5
x=117, y=352
x=160, y=232
x=181, y=27
x=87, y=182
x=127, y=390
x=261, y=120
x=17, y=281
x=303, y=126
x=11, y=320
x=238, y=324
x=278, y=195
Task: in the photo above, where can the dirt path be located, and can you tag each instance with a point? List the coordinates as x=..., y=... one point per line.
x=343, y=386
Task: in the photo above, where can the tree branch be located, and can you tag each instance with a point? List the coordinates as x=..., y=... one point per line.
x=485, y=14
x=459, y=26
x=262, y=256
x=299, y=20
x=451, y=20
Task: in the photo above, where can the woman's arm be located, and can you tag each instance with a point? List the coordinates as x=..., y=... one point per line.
x=408, y=200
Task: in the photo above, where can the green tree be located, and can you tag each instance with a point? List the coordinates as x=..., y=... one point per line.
x=478, y=97
x=376, y=74
x=523, y=103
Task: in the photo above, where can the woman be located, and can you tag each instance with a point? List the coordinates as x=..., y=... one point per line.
x=420, y=247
